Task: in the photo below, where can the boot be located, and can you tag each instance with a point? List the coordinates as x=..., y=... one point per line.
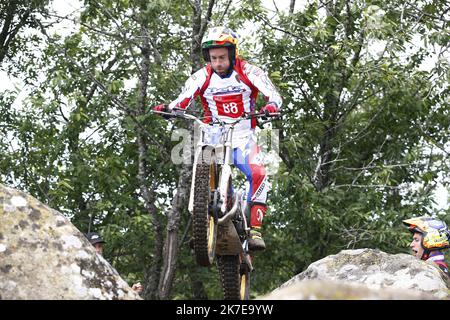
x=257, y=212
x=256, y=242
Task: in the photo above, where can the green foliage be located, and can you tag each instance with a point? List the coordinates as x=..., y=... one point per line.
x=356, y=134
x=18, y=21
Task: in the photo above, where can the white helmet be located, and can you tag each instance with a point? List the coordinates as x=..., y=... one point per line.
x=219, y=37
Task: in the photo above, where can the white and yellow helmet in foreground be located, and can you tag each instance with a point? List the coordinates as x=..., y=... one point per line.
x=435, y=234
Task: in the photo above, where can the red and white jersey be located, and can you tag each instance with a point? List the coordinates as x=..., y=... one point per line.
x=228, y=98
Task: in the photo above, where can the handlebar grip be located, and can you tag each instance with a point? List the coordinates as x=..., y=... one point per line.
x=165, y=115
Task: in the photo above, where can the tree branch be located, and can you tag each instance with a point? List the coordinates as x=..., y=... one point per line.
x=207, y=19
x=267, y=22
x=7, y=36
x=225, y=11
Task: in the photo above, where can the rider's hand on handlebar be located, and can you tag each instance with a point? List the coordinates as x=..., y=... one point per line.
x=163, y=110
x=270, y=108
x=160, y=108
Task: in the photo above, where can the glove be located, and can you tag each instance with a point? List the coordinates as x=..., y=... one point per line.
x=269, y=108
x=163, y=108
x=160, y=108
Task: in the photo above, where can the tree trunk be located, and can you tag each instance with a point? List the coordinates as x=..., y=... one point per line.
x=9, y=30
x=291, y=7
x=331, y=110
x=152, y=274
x=171, y=247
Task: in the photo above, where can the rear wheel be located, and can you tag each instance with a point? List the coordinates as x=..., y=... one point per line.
x=244, y=282
x=204, y=222
x=235, y=278
x=229, y=276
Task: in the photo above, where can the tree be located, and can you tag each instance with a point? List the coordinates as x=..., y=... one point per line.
x=15, y=17
x=200, y=21
x=353, y=139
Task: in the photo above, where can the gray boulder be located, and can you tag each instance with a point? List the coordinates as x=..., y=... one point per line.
x=43, y=256
x=341, y=290
x=366, y=274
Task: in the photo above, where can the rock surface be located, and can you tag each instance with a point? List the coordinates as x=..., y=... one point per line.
x=340, y=290
x=43, y=256
x=366, y=274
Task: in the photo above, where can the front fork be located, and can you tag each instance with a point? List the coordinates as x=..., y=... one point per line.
x=198, y=153
x=225, y=172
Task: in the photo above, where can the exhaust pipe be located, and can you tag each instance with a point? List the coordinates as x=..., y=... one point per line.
x=232, y=212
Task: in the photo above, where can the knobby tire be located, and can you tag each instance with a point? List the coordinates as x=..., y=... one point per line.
x=204, y=224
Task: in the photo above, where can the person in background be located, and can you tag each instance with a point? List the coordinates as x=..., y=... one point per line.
x=98, y=243
x=430, y=237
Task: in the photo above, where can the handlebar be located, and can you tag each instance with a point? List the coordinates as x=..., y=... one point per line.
x=247, y=115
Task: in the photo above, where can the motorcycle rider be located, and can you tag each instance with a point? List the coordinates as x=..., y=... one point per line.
x=430, y=236
x=228, y=86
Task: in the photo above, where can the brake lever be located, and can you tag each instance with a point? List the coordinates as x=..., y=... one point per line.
x=165, y=115
x=266, y=119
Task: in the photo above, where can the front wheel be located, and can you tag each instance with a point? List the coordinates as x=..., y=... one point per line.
x=204, y=222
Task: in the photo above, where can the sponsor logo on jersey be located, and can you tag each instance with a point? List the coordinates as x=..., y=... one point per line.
x=259, y=215
x=229, y=89
x=260, y=189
